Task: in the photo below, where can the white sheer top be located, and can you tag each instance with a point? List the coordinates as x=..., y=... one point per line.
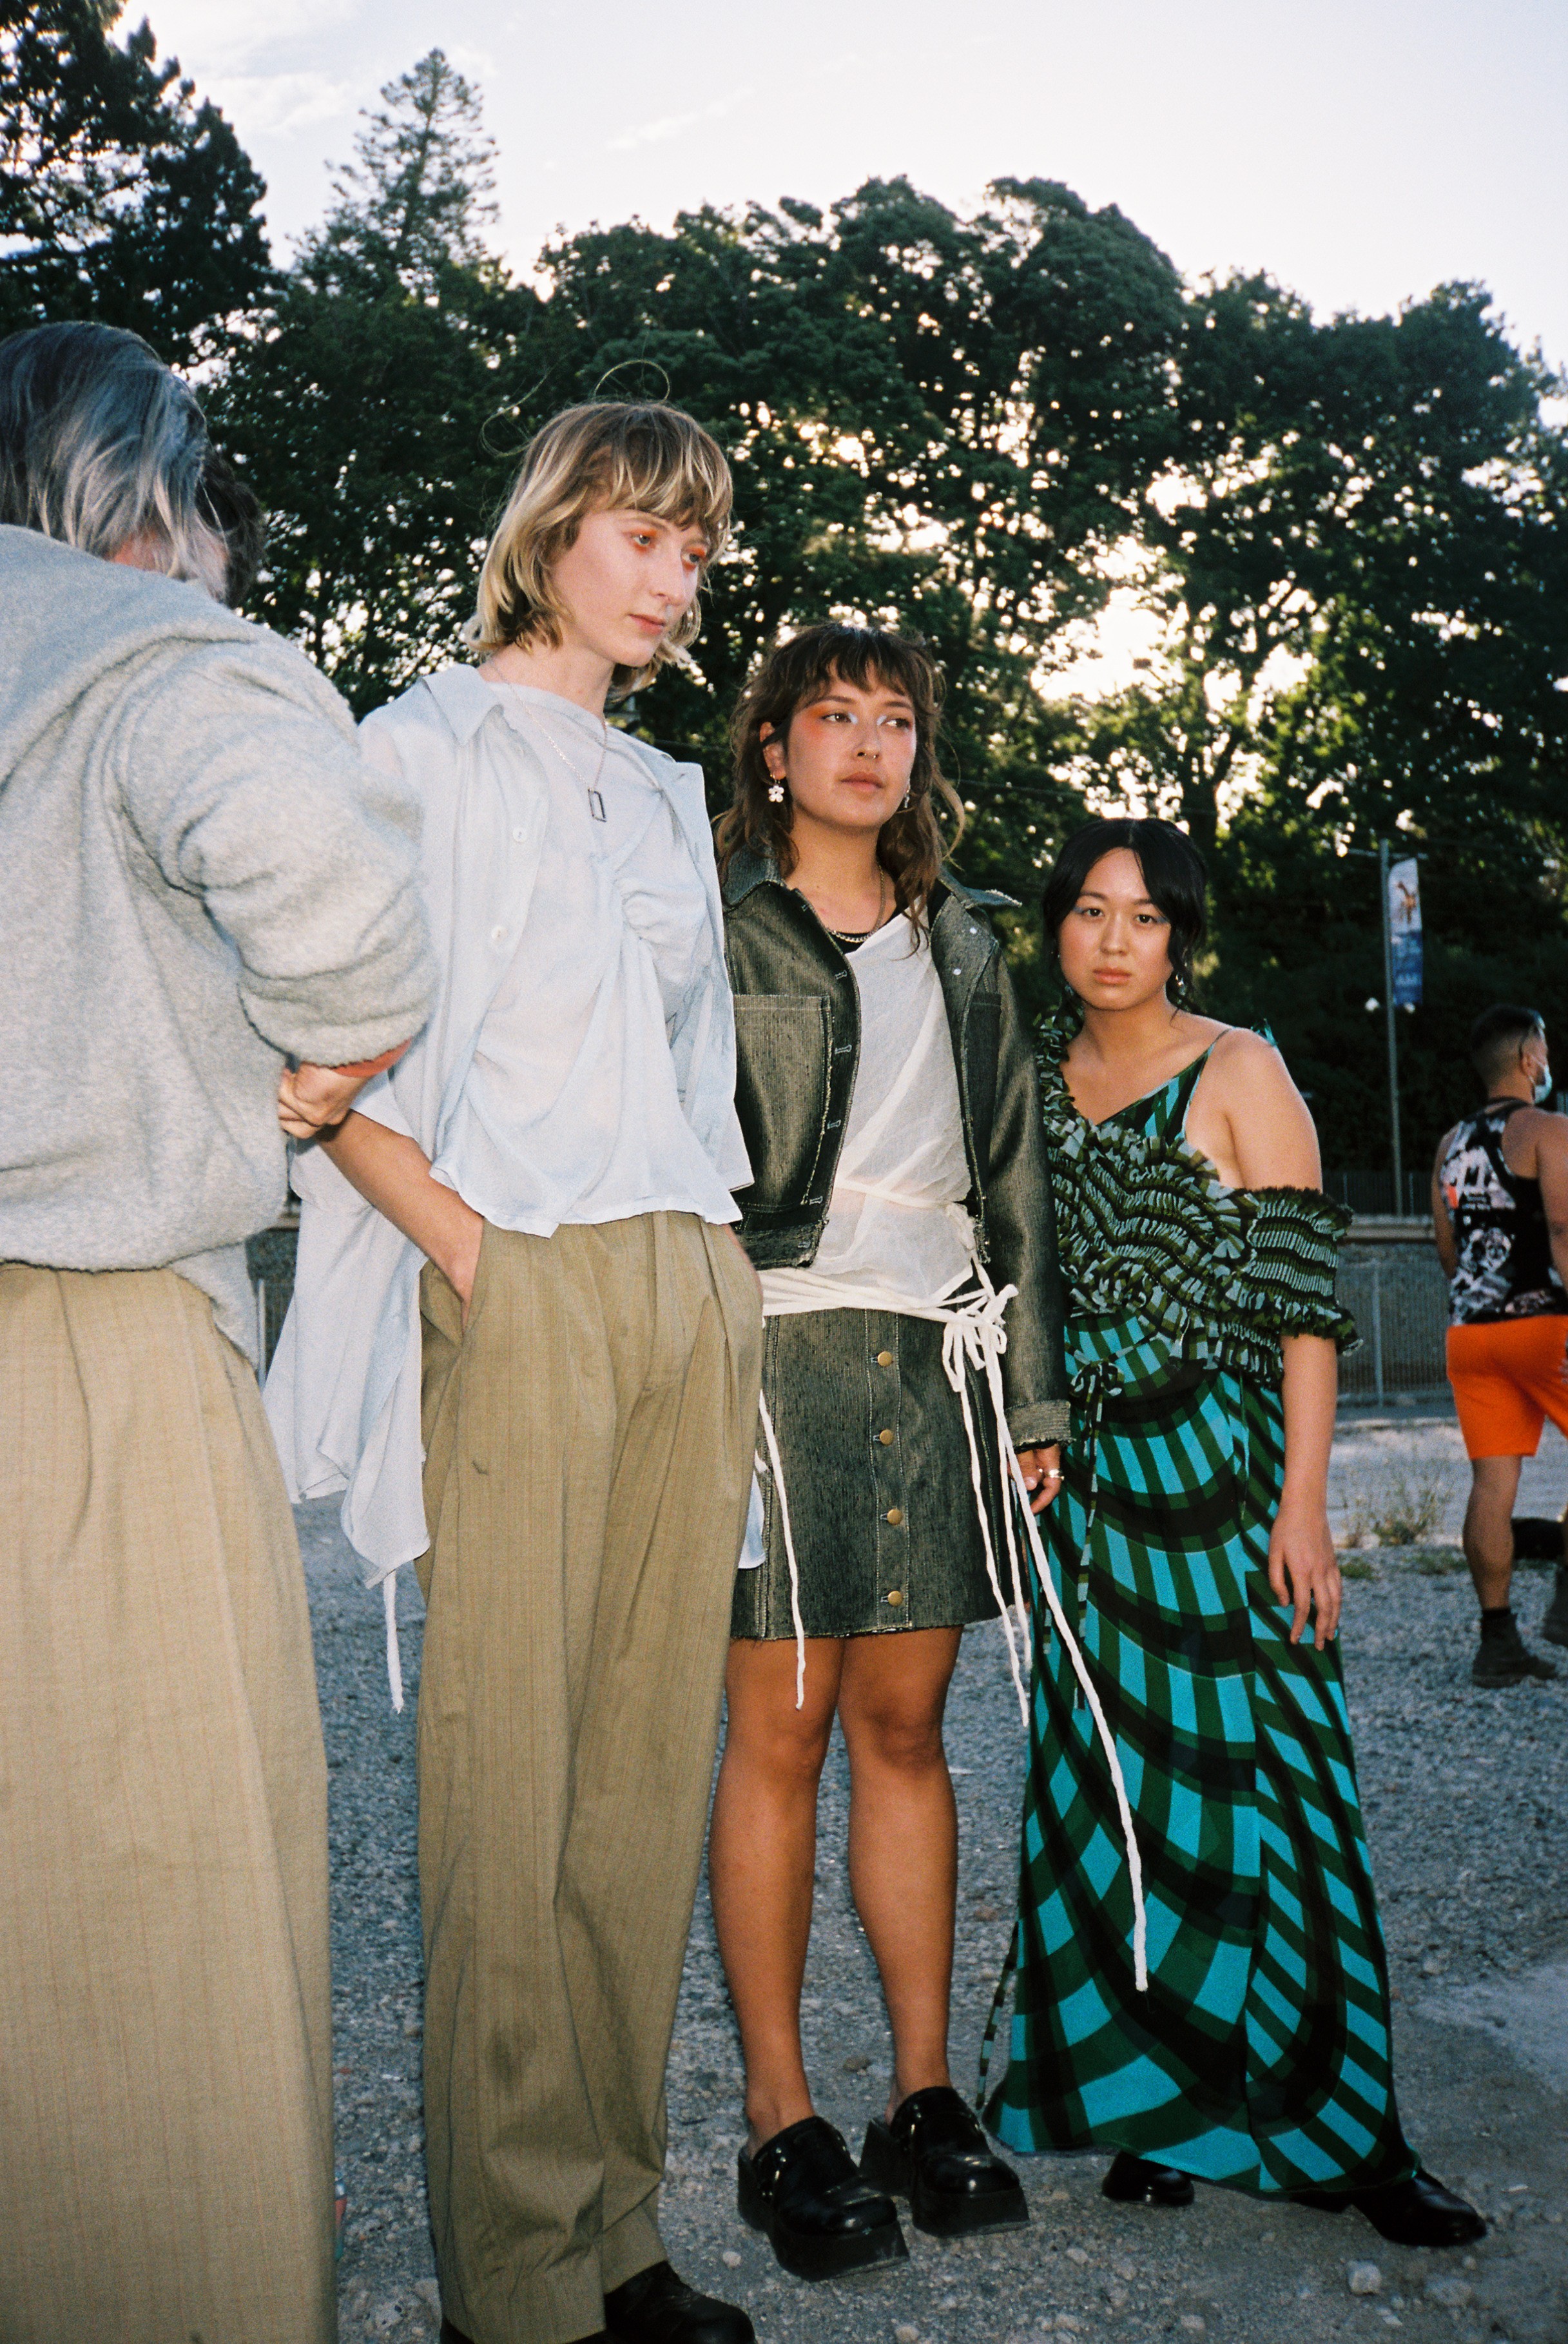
x=897, y=1236
x=574, y=1107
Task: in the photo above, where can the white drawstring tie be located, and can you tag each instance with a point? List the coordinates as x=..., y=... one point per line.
x=394, y=1657
x=776, y=1467
x=974, y=1337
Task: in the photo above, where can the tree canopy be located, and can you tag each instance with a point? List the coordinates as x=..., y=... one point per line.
x=1344, y=536
x=121, y=197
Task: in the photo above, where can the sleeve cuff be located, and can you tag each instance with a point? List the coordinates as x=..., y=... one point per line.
x=1043, y=1424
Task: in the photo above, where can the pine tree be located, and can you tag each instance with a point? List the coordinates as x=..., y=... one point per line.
x=413, y=207
x=360, y=408
x=121, y=197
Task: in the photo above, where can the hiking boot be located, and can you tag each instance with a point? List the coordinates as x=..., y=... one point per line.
x=1504, y=1658
x=1554, y=1627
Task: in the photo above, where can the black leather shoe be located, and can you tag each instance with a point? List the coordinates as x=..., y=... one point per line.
x=1419, y=2212
x=933, y=2153
x=658, y=2308
x=1139, y=2181
x=821, y=2219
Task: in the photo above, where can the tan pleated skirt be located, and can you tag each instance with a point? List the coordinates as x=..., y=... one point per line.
x=166, y=2155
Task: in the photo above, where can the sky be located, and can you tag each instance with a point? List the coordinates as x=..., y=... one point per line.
x=1360, y=150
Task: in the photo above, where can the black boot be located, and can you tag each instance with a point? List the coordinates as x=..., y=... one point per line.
x=821, y=2219
x=1419, y=2212
x=1554, y=1627
x=1136, y=2181
x=1504, y=1658
x=658, y=2308
x=933, y=2153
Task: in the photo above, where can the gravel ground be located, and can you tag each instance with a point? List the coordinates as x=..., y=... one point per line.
x=1467, y=1799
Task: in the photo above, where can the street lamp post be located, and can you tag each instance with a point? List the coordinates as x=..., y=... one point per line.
x=1389, y=1022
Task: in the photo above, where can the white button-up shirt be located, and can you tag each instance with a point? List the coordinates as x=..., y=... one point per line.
x=612, y=1003
x=580, y=1063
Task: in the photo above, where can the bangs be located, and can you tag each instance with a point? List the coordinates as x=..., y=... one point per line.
x=610, y=456
x=657, y=462
x=866, y=657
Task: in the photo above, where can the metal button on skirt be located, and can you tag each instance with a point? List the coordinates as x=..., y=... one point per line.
x=877, y=1475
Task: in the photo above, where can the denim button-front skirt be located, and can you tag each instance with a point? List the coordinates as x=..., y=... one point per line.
x=878, y=1480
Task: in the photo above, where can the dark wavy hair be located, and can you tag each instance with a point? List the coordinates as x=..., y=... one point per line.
x=913, y=844
x=1174, y=873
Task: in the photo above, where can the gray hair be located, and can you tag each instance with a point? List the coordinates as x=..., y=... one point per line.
x=100, y=444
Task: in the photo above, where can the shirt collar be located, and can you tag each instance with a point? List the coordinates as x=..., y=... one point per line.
x=464, y=699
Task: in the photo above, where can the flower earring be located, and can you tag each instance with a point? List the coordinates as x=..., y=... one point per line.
x=776, y=790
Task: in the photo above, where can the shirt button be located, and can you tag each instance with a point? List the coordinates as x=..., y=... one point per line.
x=884, y=1359
x=885, y=1439
x=896, y=1596
x=498, y=936
x=520, y=835
x=895, y=1515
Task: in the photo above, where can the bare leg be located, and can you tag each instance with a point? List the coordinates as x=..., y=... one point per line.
x=903, y=1835
x=761, y=1860
x=1488, y=1531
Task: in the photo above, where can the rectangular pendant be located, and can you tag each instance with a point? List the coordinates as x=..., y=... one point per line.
x=596, y=805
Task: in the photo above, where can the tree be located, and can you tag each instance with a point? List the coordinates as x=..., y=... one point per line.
x=362, y=407
x=936, y=421
x=121, y=199
x=1355, y=550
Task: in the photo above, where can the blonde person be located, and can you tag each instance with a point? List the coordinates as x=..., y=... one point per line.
x=202, y=881
x=525, y=1232
x=900, y=1216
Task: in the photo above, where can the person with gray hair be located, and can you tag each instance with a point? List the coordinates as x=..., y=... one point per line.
x=212, y=923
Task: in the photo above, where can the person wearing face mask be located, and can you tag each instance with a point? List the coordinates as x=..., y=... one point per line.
x=1499, y=1212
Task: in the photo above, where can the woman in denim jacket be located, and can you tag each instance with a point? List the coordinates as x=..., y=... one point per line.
x=900, y=1219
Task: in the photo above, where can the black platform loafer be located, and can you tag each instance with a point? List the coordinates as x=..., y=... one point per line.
x=1139, y=2181
x=820, y=2218
x=657, y=2306
x=1419, y=2212
x=934, y=2152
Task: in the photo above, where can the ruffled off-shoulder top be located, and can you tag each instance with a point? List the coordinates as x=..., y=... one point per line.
x=1160, y=1261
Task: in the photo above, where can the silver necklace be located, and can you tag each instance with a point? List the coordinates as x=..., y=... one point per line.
x=595, y=802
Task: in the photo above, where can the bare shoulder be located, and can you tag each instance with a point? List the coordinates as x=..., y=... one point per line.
x=1243, y=1060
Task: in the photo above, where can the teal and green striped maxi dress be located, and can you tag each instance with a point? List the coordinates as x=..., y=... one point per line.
x=1259, y=2054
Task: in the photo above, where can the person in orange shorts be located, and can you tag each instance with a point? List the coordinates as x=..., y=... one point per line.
x=1500, y=1209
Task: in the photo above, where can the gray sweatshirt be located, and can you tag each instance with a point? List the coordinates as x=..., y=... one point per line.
x=199, y=875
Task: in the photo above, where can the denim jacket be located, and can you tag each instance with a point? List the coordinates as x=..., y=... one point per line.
x=797, y=1038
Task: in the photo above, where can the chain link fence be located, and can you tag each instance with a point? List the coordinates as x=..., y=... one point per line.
x=1398, y=1297
x=1396, y=1294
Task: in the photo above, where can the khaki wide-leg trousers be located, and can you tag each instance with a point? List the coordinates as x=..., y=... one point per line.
x=589, y=1440
x=165, y=2112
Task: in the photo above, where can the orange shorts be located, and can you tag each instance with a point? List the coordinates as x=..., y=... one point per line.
x=1509, y=1375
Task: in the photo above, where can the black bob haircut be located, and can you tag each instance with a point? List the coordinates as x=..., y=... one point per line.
x=1498, y=1035
x=1174, y=873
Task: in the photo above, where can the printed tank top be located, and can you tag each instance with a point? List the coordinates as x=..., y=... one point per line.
x=1506, y=1268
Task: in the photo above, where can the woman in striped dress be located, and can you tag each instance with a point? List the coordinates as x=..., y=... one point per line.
x=1191, y=1551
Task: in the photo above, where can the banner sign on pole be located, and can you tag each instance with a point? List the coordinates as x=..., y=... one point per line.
x=1404, y=932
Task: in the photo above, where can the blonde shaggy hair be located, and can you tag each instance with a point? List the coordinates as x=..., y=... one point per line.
x=596, y=458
